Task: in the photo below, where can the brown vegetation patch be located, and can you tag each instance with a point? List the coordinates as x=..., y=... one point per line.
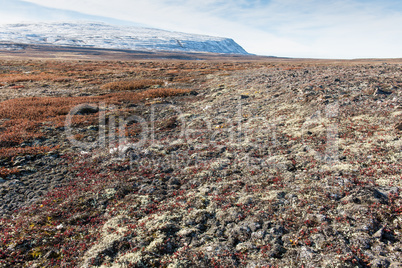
x=26, y=115
x=131, y=85
x=7, y=171
x=16, y=78
x=12, y=152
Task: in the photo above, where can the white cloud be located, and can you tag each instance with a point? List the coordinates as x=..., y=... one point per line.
x=295, y=28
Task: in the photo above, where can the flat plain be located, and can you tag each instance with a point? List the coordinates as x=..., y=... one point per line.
x=116, y=159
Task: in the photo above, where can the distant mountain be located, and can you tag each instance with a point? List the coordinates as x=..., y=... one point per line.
x=100, y=35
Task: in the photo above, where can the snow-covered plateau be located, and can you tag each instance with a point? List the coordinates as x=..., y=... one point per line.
x=100, y=35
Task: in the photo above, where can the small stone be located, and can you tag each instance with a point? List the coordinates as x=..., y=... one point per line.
x=254, y=226
x=361, y=240
x=51, y=255
x=379, y=91
x=379, y=233
x=319, y=241
x=209, y=248
x=398, y=126
x=306, y=253
x=242, y=97
x=186, y=232
x=244, y=247
x=86, y=109
x=93, y=128
x=380, y=195
x=380, y=263
x=30, y=169
x=277, y=251
x=260, y=234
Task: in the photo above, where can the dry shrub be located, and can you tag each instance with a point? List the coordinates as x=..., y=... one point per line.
x=183, y=79
x=14, y=132
x=60, y=79
x=44, y=108
x=35, y=108
x=131, y=85
x=11, y=138
x=26, y=115
x=17, y=87
x=16, y=78
x=174, y=72
x=4, y=172
x=11, y=152
x=78, y=136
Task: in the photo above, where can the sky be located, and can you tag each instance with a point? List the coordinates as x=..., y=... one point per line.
x=285, y=28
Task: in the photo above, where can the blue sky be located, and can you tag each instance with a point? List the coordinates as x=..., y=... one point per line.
x=291, y=28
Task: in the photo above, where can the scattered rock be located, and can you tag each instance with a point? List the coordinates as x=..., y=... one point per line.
x=198, y=198
x=306, y=253
x=398, y=126
x=380, y=91
x=379, y=233
x=380, y=263
x=85, y=109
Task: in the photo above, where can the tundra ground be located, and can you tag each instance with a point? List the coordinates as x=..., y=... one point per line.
x=160, y=163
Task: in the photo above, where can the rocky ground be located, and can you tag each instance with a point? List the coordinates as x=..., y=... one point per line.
x=200, y=164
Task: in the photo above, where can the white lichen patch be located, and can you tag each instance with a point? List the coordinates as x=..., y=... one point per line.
x=112, y=231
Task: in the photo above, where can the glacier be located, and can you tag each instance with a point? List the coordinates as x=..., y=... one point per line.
x=101, y=35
